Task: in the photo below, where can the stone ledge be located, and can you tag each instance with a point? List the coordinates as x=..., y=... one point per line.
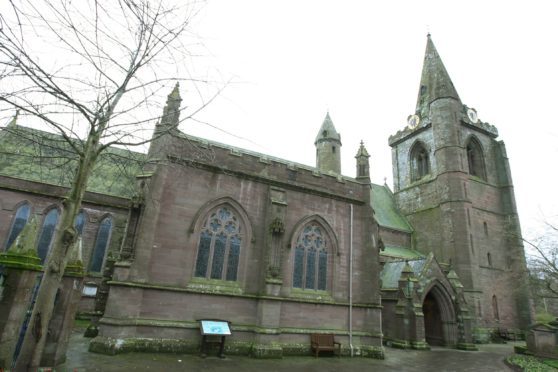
x=113, y=346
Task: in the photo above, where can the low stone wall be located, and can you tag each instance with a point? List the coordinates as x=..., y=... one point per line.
x=113, y=346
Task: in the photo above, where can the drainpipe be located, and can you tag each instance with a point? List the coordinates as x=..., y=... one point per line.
x=351, y=282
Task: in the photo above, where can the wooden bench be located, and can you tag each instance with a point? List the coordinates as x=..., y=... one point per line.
x=324, y=342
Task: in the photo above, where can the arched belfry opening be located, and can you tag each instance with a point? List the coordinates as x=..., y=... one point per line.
x=440, y=323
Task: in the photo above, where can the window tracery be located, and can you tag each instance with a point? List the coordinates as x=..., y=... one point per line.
x=219, y=246
x=310, y=259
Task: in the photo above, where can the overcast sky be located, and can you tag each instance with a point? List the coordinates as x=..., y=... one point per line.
x=292, y=61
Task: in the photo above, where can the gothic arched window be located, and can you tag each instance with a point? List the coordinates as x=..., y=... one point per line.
x=20, y=219
x=420, y=162
x=101, y=244
x=219, y=246
x=47, y=234
x=79, y=223
x=475, y=158
x=310, y=259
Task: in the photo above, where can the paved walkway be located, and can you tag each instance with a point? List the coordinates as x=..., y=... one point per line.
x=488, y=358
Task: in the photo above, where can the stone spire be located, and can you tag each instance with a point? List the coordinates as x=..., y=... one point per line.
x=328, y=147
x=362, y=163
x=435, y=82
x=171, y=112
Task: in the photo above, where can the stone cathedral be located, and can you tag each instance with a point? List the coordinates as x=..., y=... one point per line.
x=282, y=250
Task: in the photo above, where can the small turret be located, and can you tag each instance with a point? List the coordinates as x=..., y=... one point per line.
x=362, y=164
x=328, y=147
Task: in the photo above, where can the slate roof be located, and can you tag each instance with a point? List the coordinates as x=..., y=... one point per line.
x=386, y=212
x=40, y=156
x=327, y=131
x=392, y=271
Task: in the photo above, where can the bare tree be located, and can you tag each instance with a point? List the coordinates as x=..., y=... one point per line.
x=93, y=72
x=543, y=260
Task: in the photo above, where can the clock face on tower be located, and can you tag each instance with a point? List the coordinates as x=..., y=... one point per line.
x=472, y=114
x=413, y=121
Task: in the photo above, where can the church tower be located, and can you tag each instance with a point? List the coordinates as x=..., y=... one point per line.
x=452, y=181
x=328, y=148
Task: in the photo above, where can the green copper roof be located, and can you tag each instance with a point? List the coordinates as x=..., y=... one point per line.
x=434, y=82
x=386, y=212
x=40, y=156
x=401, y=252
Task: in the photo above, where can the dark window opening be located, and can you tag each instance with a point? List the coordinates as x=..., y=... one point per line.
x=485, y=225
x=47, y=234
x=101, y=245
x=475, y=159
x=20, y=220
x=489, y=258
x=420, y=162
x=333, y=149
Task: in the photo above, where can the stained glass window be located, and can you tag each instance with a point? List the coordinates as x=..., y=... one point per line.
x=219, y=246
x=101, y=244
x=47, y=234
x=20, y=219
x=79, y=223
x=310, y=259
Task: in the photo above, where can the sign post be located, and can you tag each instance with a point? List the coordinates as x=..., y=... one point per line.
x=214, y=331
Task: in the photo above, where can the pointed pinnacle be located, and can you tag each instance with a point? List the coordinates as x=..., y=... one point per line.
x=435, y=82
x=362, y=151
x=327, y=131
x=175, y=94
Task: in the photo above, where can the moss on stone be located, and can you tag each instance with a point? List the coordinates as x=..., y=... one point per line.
x=113, y=346
x=267, y=351
x=21, y=260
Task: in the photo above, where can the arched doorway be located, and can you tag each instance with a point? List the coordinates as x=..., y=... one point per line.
x=433, y=329
x=440, y=322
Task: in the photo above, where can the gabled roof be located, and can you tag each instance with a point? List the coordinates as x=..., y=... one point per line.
x=386, y=212
x=40, y=156
x=392, y=271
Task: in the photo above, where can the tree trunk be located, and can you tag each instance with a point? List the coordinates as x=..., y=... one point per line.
x=55, y=264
